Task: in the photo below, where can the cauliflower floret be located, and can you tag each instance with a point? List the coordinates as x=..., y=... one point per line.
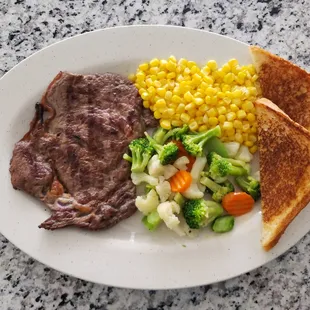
x=163, y=189
x=181, y=163
x=154, y=167
x=170, y=171
x=232, y=148
x=244, y=154
x=148, y=203
x=196, y=190
x=140, y=177
x=198, y=167
x=166, y=211
x=193, y=192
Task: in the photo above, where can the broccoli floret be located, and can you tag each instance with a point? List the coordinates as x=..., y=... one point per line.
x=199, y=213
x=166, y=153
x=218, y=190
x=194, y=143
x=249, y=185
x=220, y=168
x=141, y=152
x=162, y=135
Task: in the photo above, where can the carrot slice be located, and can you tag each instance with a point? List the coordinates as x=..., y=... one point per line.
x=238, y=203
x=180, y=182
x=183, y=152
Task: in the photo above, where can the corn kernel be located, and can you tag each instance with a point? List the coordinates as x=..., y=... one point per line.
x=177, y=116
x=151, y=90
x=213, y=121
x=220, y=95
x=245, y=127
x=194, y=69
x=210, y=91
x=191, y=63
x=253, y=129
x=229, y=78
x=205, y=119
x=212, y=65
x=249, y=143
x=162, y=64
x=176, y=91
x=199, y=119
x=247, y=105
x=154, y=70
x=241, y=114
x=245, y=136
x=182, y=62
x=161, y=75
x=187, y=71
x=251, y=117
x=230, y=132
x=203, y=108
x=197, y=78
x=253, y=149
x=165, y=123
x=209, y=80
x=172, y=58
x=231, y=116
x=233, y=62
x=193, y=126
x=225, y=88
x=212, y=112
x=176, y=123
x=252, y=138
x=206, y=70
x=233, y=107
x=237, y=93
x=171, y=66
x=228, y=125
x=221, y=110
x=188, y=96
x=237, y=124
x=176, y=99
x=181, y=108
x=157, y=114
x=198, y=101
x=238, y=137
x=185, y=117
x=226, y=68
x=131, y=77
x=161, y=91
x=146, y=104
x=203, y=128
x=156, y=84
x=192, y=113
x=237, y=102
x=168, y=95
x=154, y=62
x=145, y=95
x=171, y=75
x=160, y=103
x=214, y=100
x=190, y=106
x=222, y=118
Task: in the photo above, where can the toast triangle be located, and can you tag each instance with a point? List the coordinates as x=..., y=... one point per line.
x=285, y=84
x=284, y=150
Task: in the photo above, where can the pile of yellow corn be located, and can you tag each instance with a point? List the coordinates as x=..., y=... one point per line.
x=179, y=92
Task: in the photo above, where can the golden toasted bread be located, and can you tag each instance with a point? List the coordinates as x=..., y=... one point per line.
x=284, y=151
x=285, y=84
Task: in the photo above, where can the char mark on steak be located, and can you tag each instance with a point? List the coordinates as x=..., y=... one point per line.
x=72, y=160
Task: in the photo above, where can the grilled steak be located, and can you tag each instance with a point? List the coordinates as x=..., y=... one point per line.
x=72, y=159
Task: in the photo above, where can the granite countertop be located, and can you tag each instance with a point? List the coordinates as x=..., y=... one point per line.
x=280, y=26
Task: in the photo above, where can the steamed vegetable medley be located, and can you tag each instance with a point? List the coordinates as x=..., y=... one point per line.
x=188, y=179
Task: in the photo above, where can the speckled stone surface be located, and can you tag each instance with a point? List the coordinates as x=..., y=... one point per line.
x=281, y=26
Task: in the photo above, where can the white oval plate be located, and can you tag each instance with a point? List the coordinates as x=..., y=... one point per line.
x=126, y=255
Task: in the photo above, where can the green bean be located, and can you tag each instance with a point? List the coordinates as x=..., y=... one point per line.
x=223, y=224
